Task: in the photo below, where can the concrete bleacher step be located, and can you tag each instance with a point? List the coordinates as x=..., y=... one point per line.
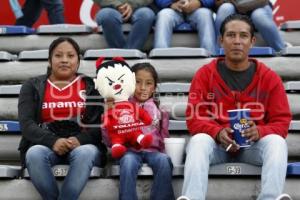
x=64, y=28
x=126, y=27
x=292, y=86
x=291, y=25
x=9, y=140
x=16, y=44
x=226, y=169
x=165, y=87
x=171, y=87
x=110, y=53
x=179, y=52
x=5, y=56
x=10, y=90
x=291, y=51
x=178, y=70
x=62, y=171
x=33, y=55
x=9, y=171
x=174, y=105
x=219, y=188
x=256, y=51
x=15, y=30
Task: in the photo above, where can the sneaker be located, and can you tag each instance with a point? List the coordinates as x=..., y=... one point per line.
x=287, y=44
x=284, y=197
x=182, y=198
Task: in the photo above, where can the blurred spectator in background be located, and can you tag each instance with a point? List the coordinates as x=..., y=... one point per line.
x=114, y=13
x=262, y=19
x=32, y=10
x=195, y=12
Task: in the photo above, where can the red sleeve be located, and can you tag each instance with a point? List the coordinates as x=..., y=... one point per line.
x=277, y=115
x=144, y=116
x=198, y=118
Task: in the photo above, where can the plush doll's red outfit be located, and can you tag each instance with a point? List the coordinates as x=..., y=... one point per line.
x=123, y=123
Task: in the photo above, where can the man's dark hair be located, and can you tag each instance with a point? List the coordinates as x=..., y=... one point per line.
x=238, y=17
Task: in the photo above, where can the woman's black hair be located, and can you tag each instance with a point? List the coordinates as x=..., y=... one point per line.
x=58, y=41
x=149, y=68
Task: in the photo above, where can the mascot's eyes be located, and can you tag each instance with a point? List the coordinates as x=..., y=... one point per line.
x=122, y=81
x=110, y=82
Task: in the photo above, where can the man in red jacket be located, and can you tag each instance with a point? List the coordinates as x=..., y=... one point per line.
x=234, y=82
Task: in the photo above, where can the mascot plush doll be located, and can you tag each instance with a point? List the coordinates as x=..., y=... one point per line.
x=123, y=121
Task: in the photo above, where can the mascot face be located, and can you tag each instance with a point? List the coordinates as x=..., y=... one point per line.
x=115, y=80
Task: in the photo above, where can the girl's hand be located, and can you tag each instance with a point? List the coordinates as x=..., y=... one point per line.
x=109, y=103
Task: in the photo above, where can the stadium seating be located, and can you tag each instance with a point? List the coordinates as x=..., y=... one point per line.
x=176, y=67
x=256, y=52
x=16, y=30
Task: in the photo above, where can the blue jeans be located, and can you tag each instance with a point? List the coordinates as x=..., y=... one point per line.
x=201, y=20
x=32, y=10
x=161, y=166
x=202, y=151
x=111, y=21
x=262, y=19
x=40, y=159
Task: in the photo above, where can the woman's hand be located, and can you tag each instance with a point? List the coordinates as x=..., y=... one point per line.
x=74, y=142
x=61, y=146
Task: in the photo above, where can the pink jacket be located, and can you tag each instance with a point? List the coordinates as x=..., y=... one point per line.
x=158, y=128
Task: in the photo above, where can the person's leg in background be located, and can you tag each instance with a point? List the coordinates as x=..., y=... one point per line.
x=202, y=20
x=162, y=171
x=111, y=21
x=271, y=153
x=224, y=11
x=167, y=19
x=263, y=21
x=55, y=11
x=81, y=161
x=130, y=164
x=142, y=21
x=31, y=12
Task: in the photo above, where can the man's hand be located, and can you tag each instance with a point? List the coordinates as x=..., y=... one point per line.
x=61, y=146
x=126, y=11
x=74, y=142
x=177, y=6
x=191, y=6
x=251, y=133
x=226, y=141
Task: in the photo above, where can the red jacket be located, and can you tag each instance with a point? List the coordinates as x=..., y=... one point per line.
x=210, y=98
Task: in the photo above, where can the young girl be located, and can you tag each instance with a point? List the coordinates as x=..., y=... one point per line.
x=131, y=162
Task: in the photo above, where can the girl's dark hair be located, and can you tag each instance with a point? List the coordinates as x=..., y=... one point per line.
x=58, y=41
x=238, y=17
x=149, y=68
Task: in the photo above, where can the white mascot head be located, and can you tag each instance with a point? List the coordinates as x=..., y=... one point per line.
x=114, y=79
